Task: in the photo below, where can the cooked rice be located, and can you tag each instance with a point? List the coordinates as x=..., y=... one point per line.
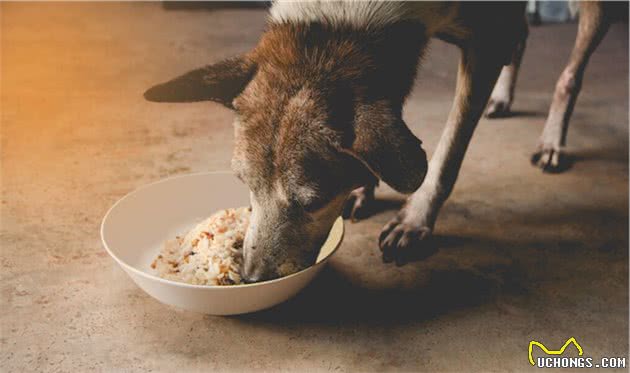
x=210, y=254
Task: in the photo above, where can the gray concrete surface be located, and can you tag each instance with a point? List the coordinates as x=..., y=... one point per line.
x=523, y=255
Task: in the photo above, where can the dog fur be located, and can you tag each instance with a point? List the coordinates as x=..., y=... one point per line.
x=318, y=106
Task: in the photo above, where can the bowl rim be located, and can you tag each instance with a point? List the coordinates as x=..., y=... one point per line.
x=129, y=267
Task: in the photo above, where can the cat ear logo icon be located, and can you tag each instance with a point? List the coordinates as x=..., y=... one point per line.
x=553, y=352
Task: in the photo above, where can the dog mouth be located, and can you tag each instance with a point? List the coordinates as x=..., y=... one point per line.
x=253, y=273
x=256, y=270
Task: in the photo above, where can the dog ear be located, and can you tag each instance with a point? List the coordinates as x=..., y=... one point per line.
x=220, y=82
x=385, y=145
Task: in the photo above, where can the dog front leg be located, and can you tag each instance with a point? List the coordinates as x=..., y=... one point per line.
x=403, y=237
x=502, y=95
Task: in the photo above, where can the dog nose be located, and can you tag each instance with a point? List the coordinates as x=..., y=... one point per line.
x=256, y=276
x=251, y=273
x=250, y=280
x=255, y=273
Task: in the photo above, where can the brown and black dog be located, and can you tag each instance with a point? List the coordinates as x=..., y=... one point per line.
x=318, y=106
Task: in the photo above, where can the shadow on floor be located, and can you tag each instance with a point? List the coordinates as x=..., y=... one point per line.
x=610, y=155
x=466, y=272
x=520, y=114
x=441, y=289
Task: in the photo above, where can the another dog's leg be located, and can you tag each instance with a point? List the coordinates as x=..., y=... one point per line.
x=360, y=202
x=592, y=28
x=503, y=93
x=478, y=71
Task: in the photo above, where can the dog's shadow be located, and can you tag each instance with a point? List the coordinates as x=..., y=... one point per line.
x=333, y=297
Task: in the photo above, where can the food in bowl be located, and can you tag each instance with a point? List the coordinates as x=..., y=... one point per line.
x=209, y=254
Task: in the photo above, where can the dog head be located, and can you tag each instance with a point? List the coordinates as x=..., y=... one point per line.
x=314, y=119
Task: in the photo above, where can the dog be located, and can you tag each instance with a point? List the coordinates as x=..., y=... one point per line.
x=318, y=106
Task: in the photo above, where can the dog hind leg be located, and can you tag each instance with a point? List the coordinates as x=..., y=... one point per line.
x=503, y=93
x=592, y=27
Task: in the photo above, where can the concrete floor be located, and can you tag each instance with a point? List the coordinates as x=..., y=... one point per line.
x=523, y=255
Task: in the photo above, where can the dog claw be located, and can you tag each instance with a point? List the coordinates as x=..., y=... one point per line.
x=498, y=108
x=358, y=210
x=550, y=160
x=401, y=242
x=359, y=204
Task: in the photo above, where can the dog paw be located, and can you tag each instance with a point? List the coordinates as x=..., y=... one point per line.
x=359, y=204
x=550, y=159
x=403, y=239
x=498, y=108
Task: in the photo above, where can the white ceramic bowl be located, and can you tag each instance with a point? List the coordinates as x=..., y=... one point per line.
x=134, y=229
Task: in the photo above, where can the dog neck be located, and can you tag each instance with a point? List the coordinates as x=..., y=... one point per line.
x=365, y=15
